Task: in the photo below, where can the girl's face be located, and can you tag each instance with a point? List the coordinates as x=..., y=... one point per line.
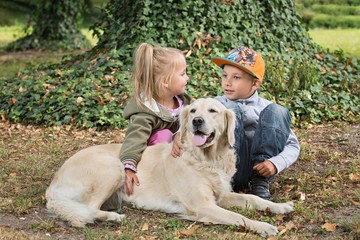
x=179, y=79
x=238, y=84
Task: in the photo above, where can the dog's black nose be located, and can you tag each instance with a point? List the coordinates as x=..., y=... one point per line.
x=197, y=121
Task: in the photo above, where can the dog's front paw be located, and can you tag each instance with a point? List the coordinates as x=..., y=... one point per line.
x=284, y=207
x=115, y=217
x=265, y=229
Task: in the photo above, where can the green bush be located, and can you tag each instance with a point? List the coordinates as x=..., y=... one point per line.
x=306, y=15
x=92, y=89
x=336, y=10
x=309, y=3
x=94, y=99
x=329, y=15
x=330, y=21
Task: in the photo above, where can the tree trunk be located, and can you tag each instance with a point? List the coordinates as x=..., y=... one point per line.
x=55, y=26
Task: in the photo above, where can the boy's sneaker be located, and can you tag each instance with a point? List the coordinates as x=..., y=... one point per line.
x=259, y=186
x=113, y=203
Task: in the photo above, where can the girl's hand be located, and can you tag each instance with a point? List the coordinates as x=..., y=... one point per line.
x=176, y=150
x=129, y=179
x=265, y=169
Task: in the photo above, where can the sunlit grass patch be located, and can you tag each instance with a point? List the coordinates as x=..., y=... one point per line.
x=89, y=35
x=335, y=39
x=12, y=63
x=10, y=33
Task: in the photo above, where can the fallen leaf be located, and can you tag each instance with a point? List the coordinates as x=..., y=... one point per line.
x=271, y=238
x=188, y=54
x=242, y=234
x=13, y=100
x=21, y=89
x=79, y=100
x=147, y=238
x=318, y=56
x=280, y=233
x=288, y=188
x=58, y=73
x=355, y=203
x=198, y=42
x=354, y=177
x=208, y=51
x=190, y=231
x=290, y=225
x=110, y=78
x=145, y=227
x=330, y=227
x=267, y=212
x=302, y=196
x=280, y=228
x=323, y=70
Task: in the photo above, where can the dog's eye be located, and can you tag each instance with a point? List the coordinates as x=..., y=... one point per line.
x=193, y=110
x=212, y=110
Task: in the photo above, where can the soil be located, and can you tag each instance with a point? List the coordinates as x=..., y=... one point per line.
x=330, y=139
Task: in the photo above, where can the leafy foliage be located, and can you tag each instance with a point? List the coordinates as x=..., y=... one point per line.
x=94, y=99
x=90, y=90
x=53, y=27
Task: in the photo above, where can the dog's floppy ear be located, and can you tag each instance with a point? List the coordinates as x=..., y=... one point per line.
x=183, y=122
x=230, y=122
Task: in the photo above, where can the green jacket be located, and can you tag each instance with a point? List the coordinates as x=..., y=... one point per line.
x=143, y=121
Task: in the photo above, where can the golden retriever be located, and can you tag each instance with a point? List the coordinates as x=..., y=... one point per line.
x=195, y=185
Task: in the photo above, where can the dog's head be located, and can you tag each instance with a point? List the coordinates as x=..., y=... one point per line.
x=206, y=122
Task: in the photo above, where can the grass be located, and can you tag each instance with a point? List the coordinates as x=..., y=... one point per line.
x=11, y=33
x=323, y=183
x=335, y=39
x=11, y=63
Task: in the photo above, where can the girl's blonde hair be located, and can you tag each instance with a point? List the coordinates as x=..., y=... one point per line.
x=153, y=67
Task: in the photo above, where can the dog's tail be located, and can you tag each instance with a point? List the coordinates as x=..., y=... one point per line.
x=65, y=206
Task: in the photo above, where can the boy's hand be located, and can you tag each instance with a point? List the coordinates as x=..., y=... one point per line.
x=265, y=169
x=129, y=179
x=176, y=150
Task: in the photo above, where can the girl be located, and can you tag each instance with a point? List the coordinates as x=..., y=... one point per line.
x=159, y=81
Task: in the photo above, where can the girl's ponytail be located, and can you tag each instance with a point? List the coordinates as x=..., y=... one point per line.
x=143, y=72
x=153, y=67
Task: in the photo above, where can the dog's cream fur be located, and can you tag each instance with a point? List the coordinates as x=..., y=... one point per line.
x=195, y=185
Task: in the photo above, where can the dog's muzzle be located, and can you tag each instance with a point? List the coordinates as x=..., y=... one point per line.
x=200, y=138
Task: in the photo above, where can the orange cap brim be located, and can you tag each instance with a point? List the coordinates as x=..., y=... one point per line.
x=221, y=62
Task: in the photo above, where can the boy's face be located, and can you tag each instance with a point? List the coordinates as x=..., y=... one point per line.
x=238, y=84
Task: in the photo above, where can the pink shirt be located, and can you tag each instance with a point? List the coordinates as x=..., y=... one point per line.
x=176, y=111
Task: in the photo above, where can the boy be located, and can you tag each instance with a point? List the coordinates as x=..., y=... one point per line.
x=265, y=144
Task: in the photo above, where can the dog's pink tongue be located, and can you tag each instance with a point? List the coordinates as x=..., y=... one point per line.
x=199, y=140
